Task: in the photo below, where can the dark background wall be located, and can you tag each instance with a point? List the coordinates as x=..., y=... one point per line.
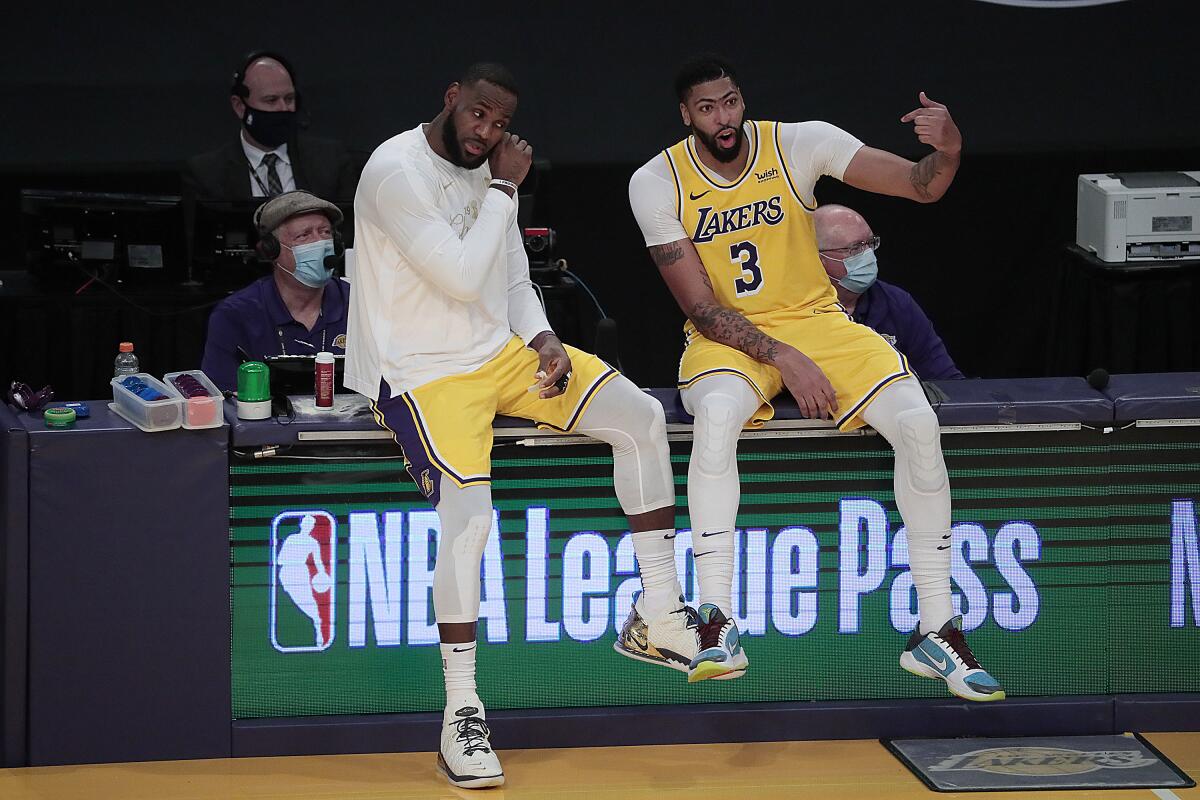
x=117, y=99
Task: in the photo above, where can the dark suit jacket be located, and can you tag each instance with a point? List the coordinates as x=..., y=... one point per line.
x=321, y=166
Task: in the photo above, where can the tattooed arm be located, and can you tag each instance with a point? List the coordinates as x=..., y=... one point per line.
x=926, y=181
x=688, y=281
x=686, y=277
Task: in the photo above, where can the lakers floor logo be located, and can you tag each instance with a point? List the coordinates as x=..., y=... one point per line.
x=1042, y=761
x=303, y=575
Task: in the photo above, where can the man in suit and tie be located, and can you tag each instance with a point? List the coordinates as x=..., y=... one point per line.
x=270, y=156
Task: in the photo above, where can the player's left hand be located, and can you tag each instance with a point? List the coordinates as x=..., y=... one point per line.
x=554, y=367
x=934, y=126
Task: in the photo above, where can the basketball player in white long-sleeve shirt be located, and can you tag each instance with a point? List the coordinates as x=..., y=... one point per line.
x=445, y=331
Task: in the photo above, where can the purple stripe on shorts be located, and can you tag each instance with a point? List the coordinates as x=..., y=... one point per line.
x=400, y=420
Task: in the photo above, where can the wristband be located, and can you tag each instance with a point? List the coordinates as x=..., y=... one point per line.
x=502, y=182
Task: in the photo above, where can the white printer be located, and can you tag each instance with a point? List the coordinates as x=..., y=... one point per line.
x=1139, y=216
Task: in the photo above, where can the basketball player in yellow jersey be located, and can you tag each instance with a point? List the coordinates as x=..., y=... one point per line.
x=727, y=216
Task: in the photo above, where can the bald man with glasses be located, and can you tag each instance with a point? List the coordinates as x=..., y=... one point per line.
x=846, y=245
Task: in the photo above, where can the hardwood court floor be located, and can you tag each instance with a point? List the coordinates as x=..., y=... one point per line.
x=837, y=769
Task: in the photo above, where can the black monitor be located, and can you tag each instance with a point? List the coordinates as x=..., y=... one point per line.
x=224, y=236
x=294, y=374
x=131, y=238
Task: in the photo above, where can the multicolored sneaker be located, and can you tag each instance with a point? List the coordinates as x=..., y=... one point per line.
x=945, y=655
x=670, y=640
x=721, y=655
x=466, y=757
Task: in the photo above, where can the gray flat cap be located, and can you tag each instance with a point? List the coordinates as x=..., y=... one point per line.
x=273, y=213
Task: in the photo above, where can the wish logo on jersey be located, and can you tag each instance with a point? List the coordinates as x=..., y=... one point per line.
x=303, y=574
x=714, y=223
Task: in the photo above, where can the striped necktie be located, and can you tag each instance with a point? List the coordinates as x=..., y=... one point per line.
x=274, y=185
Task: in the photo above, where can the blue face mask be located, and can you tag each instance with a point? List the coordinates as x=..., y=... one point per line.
x=861, y=271
x=310, y=262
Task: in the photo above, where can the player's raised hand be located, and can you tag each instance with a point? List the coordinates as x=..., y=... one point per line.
x=510, y=158
x=808, y=384
x=934, y=126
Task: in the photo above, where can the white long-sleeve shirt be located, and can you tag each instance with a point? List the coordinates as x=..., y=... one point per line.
x=441, y=279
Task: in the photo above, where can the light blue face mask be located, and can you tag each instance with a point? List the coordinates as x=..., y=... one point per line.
x=310, y=262
x=861, y=271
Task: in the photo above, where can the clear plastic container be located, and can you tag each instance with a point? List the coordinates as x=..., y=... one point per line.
x=149, y=415
x=198, y=412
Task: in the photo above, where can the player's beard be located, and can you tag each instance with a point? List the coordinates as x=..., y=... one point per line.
x=454, y=146
x=718, y=152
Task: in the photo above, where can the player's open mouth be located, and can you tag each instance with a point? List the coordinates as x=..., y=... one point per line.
x=473, y=148
x=726, y=138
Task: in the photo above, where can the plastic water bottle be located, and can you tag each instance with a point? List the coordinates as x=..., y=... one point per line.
x=127, y=362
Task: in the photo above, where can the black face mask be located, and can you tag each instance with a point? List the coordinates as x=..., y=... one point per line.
x=271, y=128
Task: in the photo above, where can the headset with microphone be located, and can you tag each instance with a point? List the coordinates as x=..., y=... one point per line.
x=269, y=247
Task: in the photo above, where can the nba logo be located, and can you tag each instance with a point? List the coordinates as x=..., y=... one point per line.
x=303, y=577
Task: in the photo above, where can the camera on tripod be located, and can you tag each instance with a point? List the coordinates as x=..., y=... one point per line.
x=539, y=246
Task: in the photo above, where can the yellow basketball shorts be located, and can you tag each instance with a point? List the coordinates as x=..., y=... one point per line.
x=858, y=362
x=445, y=426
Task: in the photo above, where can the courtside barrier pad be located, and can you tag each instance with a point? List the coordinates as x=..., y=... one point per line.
x=1018, y=401
x=1030, y=763
x=1159, y=395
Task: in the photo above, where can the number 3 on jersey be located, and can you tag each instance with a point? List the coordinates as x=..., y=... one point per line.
x=745, y=255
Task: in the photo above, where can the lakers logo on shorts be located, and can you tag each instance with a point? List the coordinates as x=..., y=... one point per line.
x=426, y=483
x=340, y=341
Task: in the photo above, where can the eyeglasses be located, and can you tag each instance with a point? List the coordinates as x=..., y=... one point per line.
x=856, y=248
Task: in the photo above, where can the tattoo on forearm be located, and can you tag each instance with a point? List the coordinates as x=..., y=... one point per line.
x=665, y=255
x=728, y=327
x=923, y=173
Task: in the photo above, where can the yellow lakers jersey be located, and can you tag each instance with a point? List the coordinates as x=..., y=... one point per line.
x=754, y=234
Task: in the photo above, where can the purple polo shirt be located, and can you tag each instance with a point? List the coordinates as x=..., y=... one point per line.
x=893, y=313
x=256, y=319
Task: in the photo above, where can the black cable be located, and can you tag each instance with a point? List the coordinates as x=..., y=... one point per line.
x=586, y=288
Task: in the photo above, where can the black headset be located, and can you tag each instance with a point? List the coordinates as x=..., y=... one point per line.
x=239, y=87
x=269, y=248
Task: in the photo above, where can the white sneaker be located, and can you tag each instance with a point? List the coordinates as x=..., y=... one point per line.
x=670, y=640
x=466, y=757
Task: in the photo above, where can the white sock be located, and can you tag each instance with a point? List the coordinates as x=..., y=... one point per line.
x=655, y=552
x=713, y=553
x=929, y=557
x=458, y=670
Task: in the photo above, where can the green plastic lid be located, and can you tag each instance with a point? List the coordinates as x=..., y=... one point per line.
x=253, y=382
x=59, y=417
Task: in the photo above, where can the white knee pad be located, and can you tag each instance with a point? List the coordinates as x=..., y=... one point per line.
x=715, y=435
x=634, y=424
x=456, y=577
x=922, y=449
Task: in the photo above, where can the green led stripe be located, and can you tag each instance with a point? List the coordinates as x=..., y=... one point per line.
x=398, y=463
x=406, y=489
x=316, y=466
x=288, y=489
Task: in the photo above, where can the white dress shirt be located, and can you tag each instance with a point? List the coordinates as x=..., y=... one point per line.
x=258, y=170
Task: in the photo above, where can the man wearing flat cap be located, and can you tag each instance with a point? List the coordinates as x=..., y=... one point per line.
x=299, y=309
